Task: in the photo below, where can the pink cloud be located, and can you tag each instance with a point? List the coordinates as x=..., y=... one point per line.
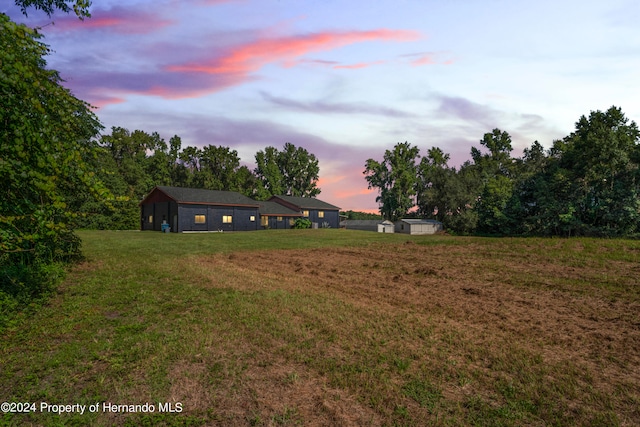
x=117, y=19
x=423, y=60
x=358, y=65
x=253, y=56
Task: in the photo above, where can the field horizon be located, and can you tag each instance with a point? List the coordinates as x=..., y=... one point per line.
x=332, y=327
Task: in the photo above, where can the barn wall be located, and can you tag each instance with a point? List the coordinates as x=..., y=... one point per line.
x=331, y=217
x=146, y=211
x=241, y=218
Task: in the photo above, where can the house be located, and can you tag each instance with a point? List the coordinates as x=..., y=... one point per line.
x=321, y=214
x=418, y=226
x=274, y=215
x=191, y=209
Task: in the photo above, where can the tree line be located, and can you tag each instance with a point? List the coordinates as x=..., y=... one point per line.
x=586, y=184
x=130, y=164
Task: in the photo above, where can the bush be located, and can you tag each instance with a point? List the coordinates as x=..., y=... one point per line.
x=302, y=223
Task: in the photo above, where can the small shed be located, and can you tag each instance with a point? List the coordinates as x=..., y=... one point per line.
x=418, y=226
x=386, y=226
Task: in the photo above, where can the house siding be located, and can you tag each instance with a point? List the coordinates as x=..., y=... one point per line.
x=240, y=218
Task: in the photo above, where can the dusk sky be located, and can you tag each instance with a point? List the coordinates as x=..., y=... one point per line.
x=348, y=79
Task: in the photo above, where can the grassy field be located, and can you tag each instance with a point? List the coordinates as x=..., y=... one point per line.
x=333, y=327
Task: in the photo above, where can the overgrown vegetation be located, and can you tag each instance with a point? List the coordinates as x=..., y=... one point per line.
x=336, y=327
x=45, y=133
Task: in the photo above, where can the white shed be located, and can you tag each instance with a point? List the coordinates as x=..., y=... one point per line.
x=418, y=226
x=386, y=227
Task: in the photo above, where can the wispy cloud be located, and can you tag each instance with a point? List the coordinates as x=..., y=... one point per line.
x=358, y=65
x=254, y=55
x=427, y=58
x=323, y=107
x=117, y=19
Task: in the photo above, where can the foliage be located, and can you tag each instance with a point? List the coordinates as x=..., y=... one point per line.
x=302, y=223
x=45, y=137
x=292, y=171
x=360, y=215
x=395, y=178
x=587, y=184
x=80, y=7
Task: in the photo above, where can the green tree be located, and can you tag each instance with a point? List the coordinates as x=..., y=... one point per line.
x=496, y=170
x=292, y=171
x=45, y=135
x=602, y=157
x=395, y=178
x=446, y=194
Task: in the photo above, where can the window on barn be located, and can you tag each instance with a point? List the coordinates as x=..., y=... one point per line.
x=227, y=219
x=320, y=214
x=305, y=213
x=150, y=219
x=200, y=219
x=279, y=218
x=252, y=218
x=264, y=221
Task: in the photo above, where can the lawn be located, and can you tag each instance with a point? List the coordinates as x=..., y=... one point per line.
x=332, y=327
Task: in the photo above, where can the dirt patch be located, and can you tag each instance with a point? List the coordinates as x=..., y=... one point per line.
x=572, y=315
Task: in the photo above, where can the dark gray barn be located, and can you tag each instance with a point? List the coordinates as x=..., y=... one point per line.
x=191, y=209
x=276, y=216
x=317, y=211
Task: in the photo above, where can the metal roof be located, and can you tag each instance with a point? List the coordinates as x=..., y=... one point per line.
x=419, y=221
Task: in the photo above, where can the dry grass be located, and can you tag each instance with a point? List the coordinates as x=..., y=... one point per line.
x=407, y=331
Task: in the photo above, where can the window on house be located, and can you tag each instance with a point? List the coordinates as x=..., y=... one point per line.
x=150, y=219
x=200, y=219
x=279, y=218
x=305, y=213
x=252, y=218
x=264, y=221
x=292, y=222
x=320, y=214
x=227, y=219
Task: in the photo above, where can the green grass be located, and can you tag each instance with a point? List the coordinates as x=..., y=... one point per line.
x=151, y=317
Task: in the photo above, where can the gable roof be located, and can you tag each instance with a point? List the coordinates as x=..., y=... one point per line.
x=204, y=197
x=305, y=202
x=276, y=209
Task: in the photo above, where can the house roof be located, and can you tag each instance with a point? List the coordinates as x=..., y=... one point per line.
x=205, y=197
x=272, y=208
x=306, y=202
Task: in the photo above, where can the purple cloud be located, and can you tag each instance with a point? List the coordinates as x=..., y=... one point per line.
x=321, y=107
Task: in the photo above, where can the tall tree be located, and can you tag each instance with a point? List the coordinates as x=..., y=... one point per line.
x=292, y=171
x=602, y=157
x=395, y=178
x=496, y=169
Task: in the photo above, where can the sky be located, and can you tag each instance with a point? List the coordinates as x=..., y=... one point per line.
x=348, y=79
